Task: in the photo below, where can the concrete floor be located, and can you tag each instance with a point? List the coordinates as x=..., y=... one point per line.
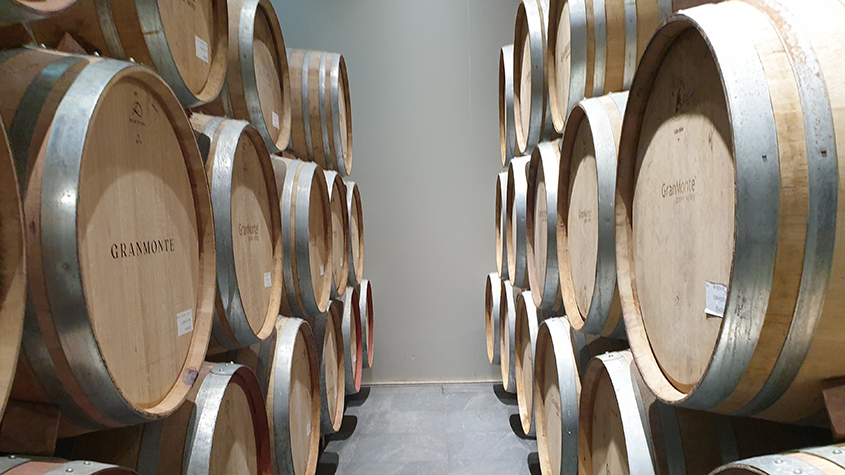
x=449, y=429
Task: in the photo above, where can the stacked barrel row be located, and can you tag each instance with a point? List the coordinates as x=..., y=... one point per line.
x=690, y=207
x=152, y=218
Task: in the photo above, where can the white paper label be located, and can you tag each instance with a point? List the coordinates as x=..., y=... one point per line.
x=184, y=322
x=268, y=280
x=275, y=120
x=202, y=49
x=716, y=296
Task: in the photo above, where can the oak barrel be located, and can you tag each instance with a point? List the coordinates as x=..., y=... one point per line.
x=352, y=341
x=492, y=297
x=307, y=238
x=507, y=133
x=727, y=167
x=827, y=460
x=356, y=233
x=507, y=333
x=321, y=124
x=256, y=87
x=501, y=225
x=23, y=11
x=585, y=230
x=340, y=233
x=515, y=216
x=221, y=429
x=125, y=347
x=365, y=310
x=541, y=227
x=532, y=115
x=185, y=42
x=528, y=320
x=624, y=429
x=328, y=338
x=20, y=465
x=247, y=224
x=12, y=269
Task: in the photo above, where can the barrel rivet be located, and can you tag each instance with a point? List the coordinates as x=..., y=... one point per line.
x=797, y=471
x=837, y=451
x=86, y=463
x=778, y=461
x=68, y=470
x=13, y=457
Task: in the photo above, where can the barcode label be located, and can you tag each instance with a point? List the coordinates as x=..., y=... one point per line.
x=275, y=120
x=716, y=295
x=268, y=280
x=202, y=49
x=184, y=322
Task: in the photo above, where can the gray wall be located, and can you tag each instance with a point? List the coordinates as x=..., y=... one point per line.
x=423, y=76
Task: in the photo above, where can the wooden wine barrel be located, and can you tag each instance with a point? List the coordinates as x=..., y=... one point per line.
x=221, y=429
x=528, y=320
x=22, y=11
x=321, y=126
x=328, y=338
x=541, y=227
x=507, y=334
x=365, y=310
x=743, y=192
x=287, y=368
x=586, y=232
x=560, y=358
x=515, y=215
x=12, y=269
x=624, y=429
x=247, y=224
x=507, y=133
x=828, y=460
x=125, y=347
x=532, y=113
x=352, y=341
x=307, y=242
x=356, y=233
x=20, y=465
x=492, y=297
x=340, y=233
x=185, y=42
x=501, y=226
x=257, y=88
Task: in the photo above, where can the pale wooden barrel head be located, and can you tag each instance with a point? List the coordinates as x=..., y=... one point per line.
x=320, y=238
x=548, y=404
x=340, y=233
x=303, y=395
x=356, y=233
x=523, y=83
x=561, y=59
x=344, y=117
x=683, y=209
x=233, y=448
x=492, y=297
x=268, y=51
x=582, y=219
x=607, y=444
x=524, y=358
x=333, y=365
x=192, y=29
x=138, y=241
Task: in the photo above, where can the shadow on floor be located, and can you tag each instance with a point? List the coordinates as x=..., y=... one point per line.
x=347, y=428
x=534, y=463
x=359, y=398
x=328, y=464
x=516, y=427
x=504, y=396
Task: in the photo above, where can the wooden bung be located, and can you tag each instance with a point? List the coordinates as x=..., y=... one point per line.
x=21, y=465
x=528, y=320
x=307, y=238
x=492, y=297
x=356, y=233
x=365, y=306
x=328, y=338
x=532, y=115
x=515, y=216
x=728, y=171
x=623, y=428
x=23, y=11
x=507, y=333
x=121, y=268
x=501, y=226
x=321, y=124
x=594, y=47
x=585, y=228
x=541, y=227
x=185, y=42
x=827, y=460
x=12, y=268
x=221, y=429
x=353, y=342
x=247, y=224
x=340, y=233
x=507, y=132
x=256, y=87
